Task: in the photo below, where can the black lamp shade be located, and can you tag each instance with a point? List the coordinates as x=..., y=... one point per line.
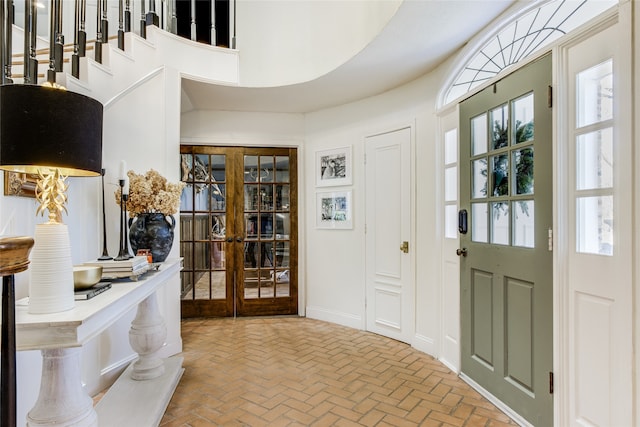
x=42, y=127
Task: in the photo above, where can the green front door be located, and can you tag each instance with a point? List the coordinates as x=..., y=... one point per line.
x=506, y=271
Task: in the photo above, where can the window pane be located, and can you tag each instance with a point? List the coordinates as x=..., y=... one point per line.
x=266, y=226
x=250, y=168
x=250, y=197
x=500, y=223
x=451, y=146
x=282, y=254
x=595, y=225
x=499, y=127
x=218, y=167
x=479, y=220
x=500, y=182
x=523, y=164
x=217, y=255
x=450, y=222
x=251, y=226
x=282, y=169
x=524, y=224
x=594, y=153
x=218, y=197
x=479, y=135
x=595, y=94
x=218, y=227
x=202, y=197
x=523, y=119
x=283, y=226
x=266, y=168
x=479, y=189
x=200, y=170
x=266, y=197
x=282, y=197
x=186, y=198
x=451, y=184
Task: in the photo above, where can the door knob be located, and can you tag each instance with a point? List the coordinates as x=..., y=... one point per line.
x=238, y=239
x=461, y=252
x=229, y=239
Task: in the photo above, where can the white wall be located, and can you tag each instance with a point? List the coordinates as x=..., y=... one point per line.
x=306, y=39
x=337, y=293
x=334, y=278
x=141, y=126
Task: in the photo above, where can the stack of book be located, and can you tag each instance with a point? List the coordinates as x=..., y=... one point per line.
x=131, y=267
x=98, y=288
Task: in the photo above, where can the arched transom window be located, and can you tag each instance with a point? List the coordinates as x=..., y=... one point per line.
x=522, y=36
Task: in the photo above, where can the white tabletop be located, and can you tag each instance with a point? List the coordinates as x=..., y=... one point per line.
x=73, y=328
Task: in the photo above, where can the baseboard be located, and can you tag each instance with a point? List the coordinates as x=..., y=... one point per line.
x=499, y=404
x=344, y=319
x=424, y=344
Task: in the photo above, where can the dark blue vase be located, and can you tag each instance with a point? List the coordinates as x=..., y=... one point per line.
x=152, y=231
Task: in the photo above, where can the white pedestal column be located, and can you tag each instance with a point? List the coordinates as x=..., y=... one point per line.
x=62, y=400
x=147, y=335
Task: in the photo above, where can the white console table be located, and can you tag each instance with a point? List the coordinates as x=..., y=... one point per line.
x=140, y=396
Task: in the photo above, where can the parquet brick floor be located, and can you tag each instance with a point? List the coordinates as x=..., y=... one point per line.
x=293, y=371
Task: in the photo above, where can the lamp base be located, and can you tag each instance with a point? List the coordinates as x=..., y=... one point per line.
x=51, y=284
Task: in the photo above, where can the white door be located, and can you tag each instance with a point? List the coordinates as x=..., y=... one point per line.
x=449, y=352
x=597, y=170
x=390, y=285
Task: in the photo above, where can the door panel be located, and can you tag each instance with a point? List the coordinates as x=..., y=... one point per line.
x=389, y=287
x=506, y=272
x=239, y=231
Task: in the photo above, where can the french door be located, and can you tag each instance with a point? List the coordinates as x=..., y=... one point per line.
x=238, y=231
x=506, y=268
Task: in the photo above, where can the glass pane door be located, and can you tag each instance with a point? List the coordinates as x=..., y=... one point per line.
x=238, y=231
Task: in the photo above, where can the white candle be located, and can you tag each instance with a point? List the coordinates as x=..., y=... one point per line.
x=125, y=189
x=123, y=170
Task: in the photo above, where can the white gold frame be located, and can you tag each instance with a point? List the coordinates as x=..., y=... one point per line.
x=333, y=167
x=334, y=210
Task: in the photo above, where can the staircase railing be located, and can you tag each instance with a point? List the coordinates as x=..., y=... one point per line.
x=161, y=13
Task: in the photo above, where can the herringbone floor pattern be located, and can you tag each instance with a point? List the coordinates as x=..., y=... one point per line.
x=303, y=372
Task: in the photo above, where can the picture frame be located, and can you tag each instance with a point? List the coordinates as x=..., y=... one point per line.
x=334, y=210
x=20, y=184
x=333, y=167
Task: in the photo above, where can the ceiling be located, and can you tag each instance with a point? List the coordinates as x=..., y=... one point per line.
x=421, y=35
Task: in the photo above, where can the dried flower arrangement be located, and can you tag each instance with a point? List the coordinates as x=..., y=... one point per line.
x=151, y=193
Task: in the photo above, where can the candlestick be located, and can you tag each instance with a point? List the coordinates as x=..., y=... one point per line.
x=123, y=170
x=123, y=254
x=105, y=253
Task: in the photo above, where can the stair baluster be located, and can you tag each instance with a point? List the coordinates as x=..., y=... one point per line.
x=75, y=58
x=98, y=45
x=127, y=16
x=121, y=24
x=82, y=33
x=143, y=21
x=5, y=58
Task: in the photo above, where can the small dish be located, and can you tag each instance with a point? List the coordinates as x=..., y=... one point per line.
x=85, y=276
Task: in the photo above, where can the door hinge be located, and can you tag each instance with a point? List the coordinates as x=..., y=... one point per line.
x=550, y=382
x=550, y=97
x=550, y=238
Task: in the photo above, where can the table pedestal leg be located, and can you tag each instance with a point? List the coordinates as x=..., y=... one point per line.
x=147, y=335
x=62, y=400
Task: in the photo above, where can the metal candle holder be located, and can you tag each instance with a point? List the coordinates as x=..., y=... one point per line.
x=105, y=253
x=124, y=241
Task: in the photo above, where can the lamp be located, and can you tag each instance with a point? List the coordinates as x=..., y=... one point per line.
x=54, y=133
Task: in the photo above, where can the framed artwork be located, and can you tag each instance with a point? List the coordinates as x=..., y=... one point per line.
x=334, y=210
x=333, y=167
x=20, y=184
